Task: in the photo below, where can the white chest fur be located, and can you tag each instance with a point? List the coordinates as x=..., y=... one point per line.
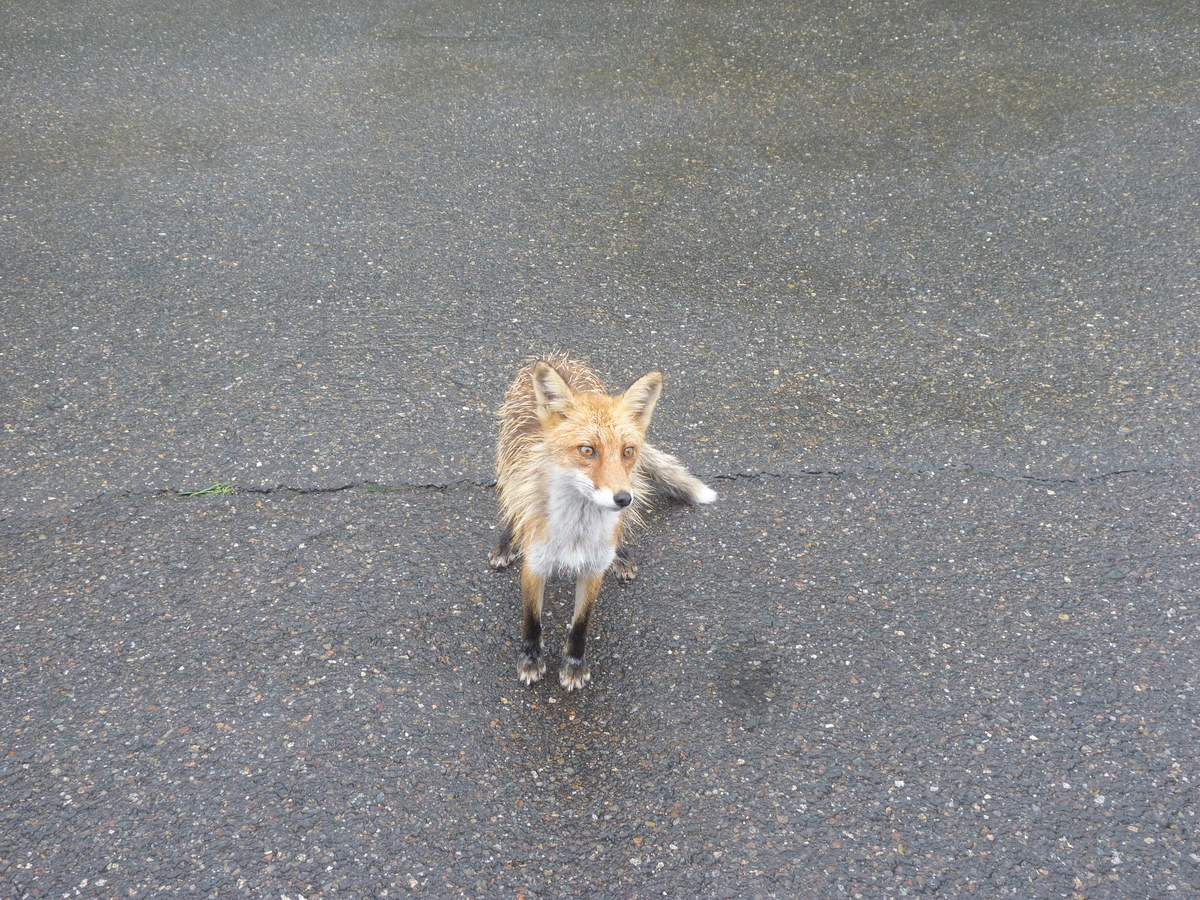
x=579, y=530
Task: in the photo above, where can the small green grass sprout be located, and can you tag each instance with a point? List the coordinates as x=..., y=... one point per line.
x=219, y=489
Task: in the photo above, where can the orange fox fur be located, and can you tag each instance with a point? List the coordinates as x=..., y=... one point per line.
x=572, y=464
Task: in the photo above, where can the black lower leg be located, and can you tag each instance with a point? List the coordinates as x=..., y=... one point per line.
x=574, y=673
x=576, y=645
x=531, y=639
x=530, y=665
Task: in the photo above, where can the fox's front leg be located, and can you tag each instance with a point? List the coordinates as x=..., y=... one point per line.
x=530, y=665
x=574, y=673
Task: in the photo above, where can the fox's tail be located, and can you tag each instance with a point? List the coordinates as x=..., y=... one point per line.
x=669, y=479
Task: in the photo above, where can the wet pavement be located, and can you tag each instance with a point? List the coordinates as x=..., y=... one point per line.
x=922, y=281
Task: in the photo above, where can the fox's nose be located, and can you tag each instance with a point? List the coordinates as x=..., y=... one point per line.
x=622, y=499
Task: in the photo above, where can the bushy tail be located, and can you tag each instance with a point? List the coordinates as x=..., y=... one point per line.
x=669, y=479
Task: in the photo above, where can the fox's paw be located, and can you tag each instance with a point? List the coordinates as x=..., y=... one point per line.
x=624, y=567
x=502, y=557
x=530, y=669
x=574, y=674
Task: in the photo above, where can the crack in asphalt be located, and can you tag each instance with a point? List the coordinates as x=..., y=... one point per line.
x=957, y=469
x=421, y=487
x=416, y=488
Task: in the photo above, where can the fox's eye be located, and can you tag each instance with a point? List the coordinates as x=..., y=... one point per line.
x=629, y=452
x=586, y=450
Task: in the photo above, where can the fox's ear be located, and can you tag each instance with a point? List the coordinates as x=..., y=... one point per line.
x=552, y=393
x=641, y=396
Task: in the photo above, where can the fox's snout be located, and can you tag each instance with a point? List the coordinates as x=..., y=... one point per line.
x=606, y=498
x=613, y=497
x=614, y=500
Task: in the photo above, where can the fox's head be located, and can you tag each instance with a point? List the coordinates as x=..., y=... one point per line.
x=594, y=439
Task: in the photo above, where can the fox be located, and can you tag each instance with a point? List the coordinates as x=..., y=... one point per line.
x=572, y=468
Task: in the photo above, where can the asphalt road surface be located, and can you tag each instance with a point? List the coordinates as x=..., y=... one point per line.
x=922, y=277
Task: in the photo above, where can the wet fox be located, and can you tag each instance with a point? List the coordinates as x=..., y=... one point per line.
x=572, y=464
